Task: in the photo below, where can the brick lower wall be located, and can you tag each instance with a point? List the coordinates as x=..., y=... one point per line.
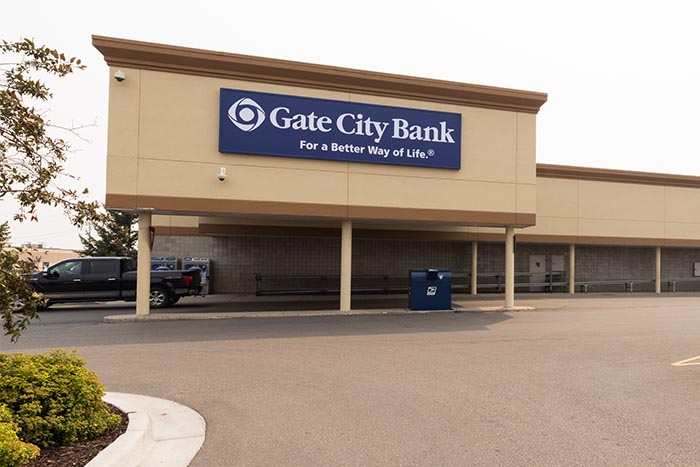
x=236, y=259
x=678, y=263
x=615, y=263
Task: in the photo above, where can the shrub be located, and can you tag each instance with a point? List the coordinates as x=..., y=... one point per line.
x=53, y=398
x=13, y=452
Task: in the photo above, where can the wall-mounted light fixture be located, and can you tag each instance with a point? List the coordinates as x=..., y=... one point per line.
x=222, y=174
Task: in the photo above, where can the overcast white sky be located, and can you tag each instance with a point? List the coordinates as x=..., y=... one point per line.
x=622, y=76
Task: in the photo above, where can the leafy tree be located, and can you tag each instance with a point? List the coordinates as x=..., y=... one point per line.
x=15, y=268
x=31, y=161
x=113, y=234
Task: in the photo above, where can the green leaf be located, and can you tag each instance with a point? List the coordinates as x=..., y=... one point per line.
x=33, y=171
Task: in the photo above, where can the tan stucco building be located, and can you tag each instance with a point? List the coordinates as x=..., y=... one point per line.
x=164, y=161
x=43, y=257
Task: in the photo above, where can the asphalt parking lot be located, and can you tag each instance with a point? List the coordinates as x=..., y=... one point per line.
x=586, y=381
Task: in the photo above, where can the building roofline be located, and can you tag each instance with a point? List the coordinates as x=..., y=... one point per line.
x=616, y=176
x=169, y=58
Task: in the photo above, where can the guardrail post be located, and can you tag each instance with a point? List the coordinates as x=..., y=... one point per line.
x=258, y=279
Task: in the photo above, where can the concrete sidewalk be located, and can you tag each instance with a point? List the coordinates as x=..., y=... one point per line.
x=233, y=306
x=160, y=432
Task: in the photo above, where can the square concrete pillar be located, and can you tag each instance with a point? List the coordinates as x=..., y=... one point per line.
x=475, y=270
x=510, y=267
x=143, y=265
x=346, y=265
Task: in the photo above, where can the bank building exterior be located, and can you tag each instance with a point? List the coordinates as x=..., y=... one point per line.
x=292, y=177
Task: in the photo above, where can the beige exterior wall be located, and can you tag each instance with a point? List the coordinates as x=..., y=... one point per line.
x=163, y=155
x=44, y=257
x=584, y=210
x=175, y=221
x=195, y=222
x=163, y=142
x=568, y=211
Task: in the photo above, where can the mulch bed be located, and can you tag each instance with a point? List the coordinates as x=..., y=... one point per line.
x=79, y=454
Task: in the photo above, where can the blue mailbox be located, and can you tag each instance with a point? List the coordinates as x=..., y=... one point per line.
x=430, y=289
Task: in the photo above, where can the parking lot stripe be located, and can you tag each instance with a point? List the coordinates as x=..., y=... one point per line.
x=688, y=361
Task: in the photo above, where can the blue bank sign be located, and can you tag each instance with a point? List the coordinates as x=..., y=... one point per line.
x=292, y=126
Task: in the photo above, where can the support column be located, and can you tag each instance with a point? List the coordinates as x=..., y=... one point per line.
x=572, y=268
x=510, y=267
x=474, y=283
x=345, y=265
x=143, y=264
x=657, y=284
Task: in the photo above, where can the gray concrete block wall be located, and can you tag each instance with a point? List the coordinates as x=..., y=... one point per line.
x=611, y=262
x=490, y=257
x=398, y=256
x=615, y=263
x=240, y=257
x=678, y=263
x=236, y=259
x=180, y=246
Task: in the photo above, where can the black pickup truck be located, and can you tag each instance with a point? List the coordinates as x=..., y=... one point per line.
x=107, y=279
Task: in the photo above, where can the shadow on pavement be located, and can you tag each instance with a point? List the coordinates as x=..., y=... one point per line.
x=74, y=327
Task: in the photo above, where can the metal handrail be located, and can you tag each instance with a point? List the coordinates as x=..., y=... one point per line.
x=500, y=276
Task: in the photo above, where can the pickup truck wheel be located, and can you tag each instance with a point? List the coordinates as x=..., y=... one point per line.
x=17, y=305
x=160, y=298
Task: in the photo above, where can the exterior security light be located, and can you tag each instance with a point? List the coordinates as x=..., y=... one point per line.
x=222, y=174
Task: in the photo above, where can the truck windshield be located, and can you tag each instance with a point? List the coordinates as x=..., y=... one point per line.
x=67, y=267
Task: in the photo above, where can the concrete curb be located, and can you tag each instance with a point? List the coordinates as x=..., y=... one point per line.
x=258, y=314
x=160, y=432
x=494, y=308
x=288, y=314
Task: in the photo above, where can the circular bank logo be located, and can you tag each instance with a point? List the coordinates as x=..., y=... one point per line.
x=246, y=114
